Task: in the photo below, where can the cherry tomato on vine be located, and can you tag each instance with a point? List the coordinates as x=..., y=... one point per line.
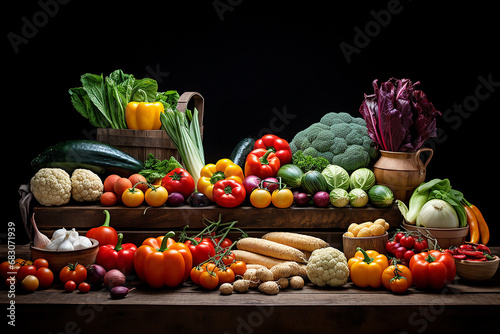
x=398, y=284
x=30, y=283
x=156, y=196
x=209, y=280
x=70, y=286
x=282, y=198
x=84, y=287
x=45, y=276
x=195, y=274
x=226, y=275
x=420, y=245
x=260, y=198
x=407, y=241
x=398, y=236
x=229, y=259
x=239, y=268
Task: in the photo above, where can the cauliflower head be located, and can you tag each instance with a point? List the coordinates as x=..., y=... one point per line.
x=86, y=185
x=338, y=137
x=327, y=266
x=51, y=186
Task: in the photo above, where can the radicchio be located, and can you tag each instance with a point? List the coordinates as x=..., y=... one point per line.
x=398, y=117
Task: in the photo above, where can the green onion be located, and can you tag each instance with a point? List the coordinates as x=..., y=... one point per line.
x=184, y=131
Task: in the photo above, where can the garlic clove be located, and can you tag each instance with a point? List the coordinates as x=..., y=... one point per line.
x=66, y=245
x=59, y=233
x=40, y=240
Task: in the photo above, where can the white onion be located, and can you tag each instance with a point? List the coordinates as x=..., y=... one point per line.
x=437, y=213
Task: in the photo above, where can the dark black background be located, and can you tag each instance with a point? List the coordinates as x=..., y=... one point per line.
x=251, y=59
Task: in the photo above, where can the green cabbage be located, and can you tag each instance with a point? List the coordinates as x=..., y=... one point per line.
x=362, y=178
x=336, y=177
x=358, y=198
x=339, y=197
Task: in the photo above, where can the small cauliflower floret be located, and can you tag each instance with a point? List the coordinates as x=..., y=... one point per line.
x=51, y=186
x=327, y=266
x=86, y=185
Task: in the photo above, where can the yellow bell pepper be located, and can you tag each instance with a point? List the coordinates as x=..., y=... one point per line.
x=143, y=115
x=366, y=268
x=224, y=169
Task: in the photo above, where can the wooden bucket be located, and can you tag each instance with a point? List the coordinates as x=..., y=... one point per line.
x=402, y=172
x=139, y=143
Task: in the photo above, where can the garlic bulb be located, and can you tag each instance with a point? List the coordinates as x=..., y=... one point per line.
x=72, y=235
x=66, y=245
x=59, y=233
x=54, y=244
x=82, y=242
x=40, y=240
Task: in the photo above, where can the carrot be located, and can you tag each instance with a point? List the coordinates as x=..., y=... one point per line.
x=253, y=258
x=300, y=241
x=483, y=227
x=473, y=224
x=271, y=248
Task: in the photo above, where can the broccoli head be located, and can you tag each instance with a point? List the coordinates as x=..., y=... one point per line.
x=338, y=137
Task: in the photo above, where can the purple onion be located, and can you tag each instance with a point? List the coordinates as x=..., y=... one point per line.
x=300, y=199
x=251, y=182
x=270, y=186
x=95, y=275
x=119, y=292
x=175, y=199
x=321, y=199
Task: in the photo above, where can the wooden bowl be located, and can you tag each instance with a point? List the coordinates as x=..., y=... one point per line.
x=446, y=237
x=58, y=259
x=376, y=243
x=477, y=270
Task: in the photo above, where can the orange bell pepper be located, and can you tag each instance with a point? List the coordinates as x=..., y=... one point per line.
x=366, y=268
x=162, y=261
x=143, y=115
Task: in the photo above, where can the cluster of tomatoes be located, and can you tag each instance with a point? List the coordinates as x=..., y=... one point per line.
x=32, y=276
x=134, y=190
x=403, y=245
x=210, y=275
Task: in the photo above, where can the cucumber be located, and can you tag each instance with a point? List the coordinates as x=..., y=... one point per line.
x=291, y=175
x=241, y=150
x=313, y=181
x=98, y=157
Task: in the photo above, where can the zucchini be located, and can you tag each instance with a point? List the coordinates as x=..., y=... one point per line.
x=241, y=150
x=291, y=175
x=313, y=181
x=98, y=157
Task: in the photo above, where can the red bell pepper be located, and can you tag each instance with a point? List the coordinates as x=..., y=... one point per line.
x=201, y=249
x=262, y=163
x=229, y=193
x=179, y=180
x=279, y=145
x=119, y=257
x=432, y=269
x=105, y=234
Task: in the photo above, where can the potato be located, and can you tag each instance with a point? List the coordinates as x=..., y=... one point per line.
x=269, y=288
x=356, y=230
x=281, y=270
x=283, y=283
x=241, y=285
x=226, y=289
x=349, y=235
x=296, y=282
x=264, y=275
x=352, y=227
x=377, y=229
x=366, y=224
x=364, y=232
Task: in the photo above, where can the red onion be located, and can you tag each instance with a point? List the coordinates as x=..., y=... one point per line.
x=251, y=182
x=321, y=199
x=119, y=292
x=271, y=186
x=95, y=275
x=300, y=199
x=113, y=278
x=175, y=199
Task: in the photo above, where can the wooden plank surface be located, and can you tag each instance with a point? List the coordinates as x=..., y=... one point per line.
x=459, y=305
x=87, y=216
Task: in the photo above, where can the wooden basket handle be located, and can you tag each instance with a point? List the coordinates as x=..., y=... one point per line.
x=199, y=104
x=417, y=157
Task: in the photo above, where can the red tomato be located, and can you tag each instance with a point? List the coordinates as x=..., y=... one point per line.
x=398, y=236
x=84, y=287
x=407, y=241
x=69, y=286
x=420, y=245
x=39, y=263
x=73, y=272
x=45, y=276
x=226, y=275
x=229, y=259
x=25, y=271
